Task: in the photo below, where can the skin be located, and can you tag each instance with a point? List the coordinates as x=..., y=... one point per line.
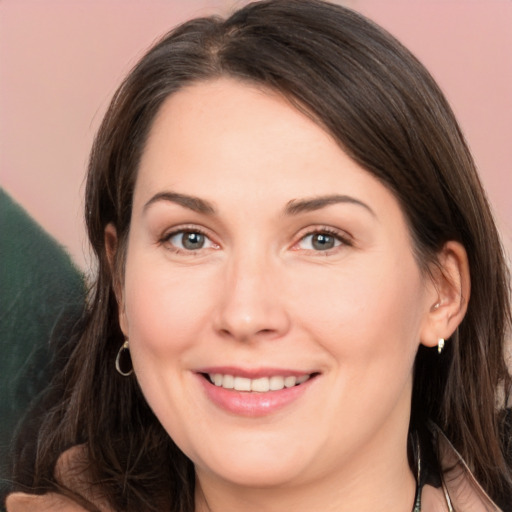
x=260, y=294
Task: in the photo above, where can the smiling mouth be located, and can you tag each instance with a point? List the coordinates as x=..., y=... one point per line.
x=259, y=385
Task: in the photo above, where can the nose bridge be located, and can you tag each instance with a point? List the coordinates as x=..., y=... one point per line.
x=251, y=306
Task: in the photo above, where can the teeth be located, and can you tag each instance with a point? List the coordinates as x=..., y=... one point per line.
x=242, y=384
x=289, y=382
x=302, y=379
x=228, y=382
x=276, y=383
x=260, y=385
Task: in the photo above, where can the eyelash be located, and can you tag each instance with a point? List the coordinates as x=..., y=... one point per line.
x=165, y=239
x=344, y=240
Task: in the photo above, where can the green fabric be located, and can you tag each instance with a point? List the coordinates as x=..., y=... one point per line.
x=39, y=285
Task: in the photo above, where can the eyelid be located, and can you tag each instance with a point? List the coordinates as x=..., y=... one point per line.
x=187, y=228
x=345, y=238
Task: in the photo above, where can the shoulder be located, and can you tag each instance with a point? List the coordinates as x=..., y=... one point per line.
x=50, y=502
x=71, y=471
x=462, y=490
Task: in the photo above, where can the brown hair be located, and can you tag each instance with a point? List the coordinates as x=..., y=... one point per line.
x=387, y=113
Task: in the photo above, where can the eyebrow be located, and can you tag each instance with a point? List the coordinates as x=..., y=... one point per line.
x=296, y=206
x=293, y=207
x=192, y=203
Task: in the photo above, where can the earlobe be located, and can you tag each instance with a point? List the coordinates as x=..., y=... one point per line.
x=452, y=286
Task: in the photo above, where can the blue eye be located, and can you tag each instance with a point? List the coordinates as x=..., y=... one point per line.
x=189, y=240
x=320, y=241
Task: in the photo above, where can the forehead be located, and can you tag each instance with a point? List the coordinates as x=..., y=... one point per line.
x=226, y=131
x=226, y=117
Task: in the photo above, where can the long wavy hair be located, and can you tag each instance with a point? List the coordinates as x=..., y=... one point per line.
x=387, y=113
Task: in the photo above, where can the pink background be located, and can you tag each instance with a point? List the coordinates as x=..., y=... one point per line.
x=61, y=60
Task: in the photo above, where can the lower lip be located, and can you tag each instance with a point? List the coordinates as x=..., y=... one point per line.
x=253, y=404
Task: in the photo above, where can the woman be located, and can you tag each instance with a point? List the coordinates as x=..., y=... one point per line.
x=300, y=286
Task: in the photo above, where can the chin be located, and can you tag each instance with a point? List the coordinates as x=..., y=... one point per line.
x=259, y=476
x=255, y=467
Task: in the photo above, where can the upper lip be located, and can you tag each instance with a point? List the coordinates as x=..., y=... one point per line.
x=253, y=373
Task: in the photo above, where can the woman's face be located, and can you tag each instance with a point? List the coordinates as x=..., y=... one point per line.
x=260, y=256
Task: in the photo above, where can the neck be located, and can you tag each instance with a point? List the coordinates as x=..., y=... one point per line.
x=370, y=486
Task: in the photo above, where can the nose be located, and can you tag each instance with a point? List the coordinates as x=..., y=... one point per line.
x=251, y=303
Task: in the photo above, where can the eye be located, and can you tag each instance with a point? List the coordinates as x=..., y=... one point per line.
x=188, y=240
x=321, y=241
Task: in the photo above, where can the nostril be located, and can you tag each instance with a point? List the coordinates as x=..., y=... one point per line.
x=250, y=314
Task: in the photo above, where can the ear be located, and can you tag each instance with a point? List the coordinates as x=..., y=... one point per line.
x=111, y=246
x=450, y=294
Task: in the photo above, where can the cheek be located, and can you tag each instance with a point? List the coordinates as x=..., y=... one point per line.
x=368, y=311
x=368, y=319
x=164, y=308
x=166, y=314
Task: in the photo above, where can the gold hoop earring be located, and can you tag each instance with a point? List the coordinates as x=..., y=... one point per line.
x=440, y=345
x=124, y=348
